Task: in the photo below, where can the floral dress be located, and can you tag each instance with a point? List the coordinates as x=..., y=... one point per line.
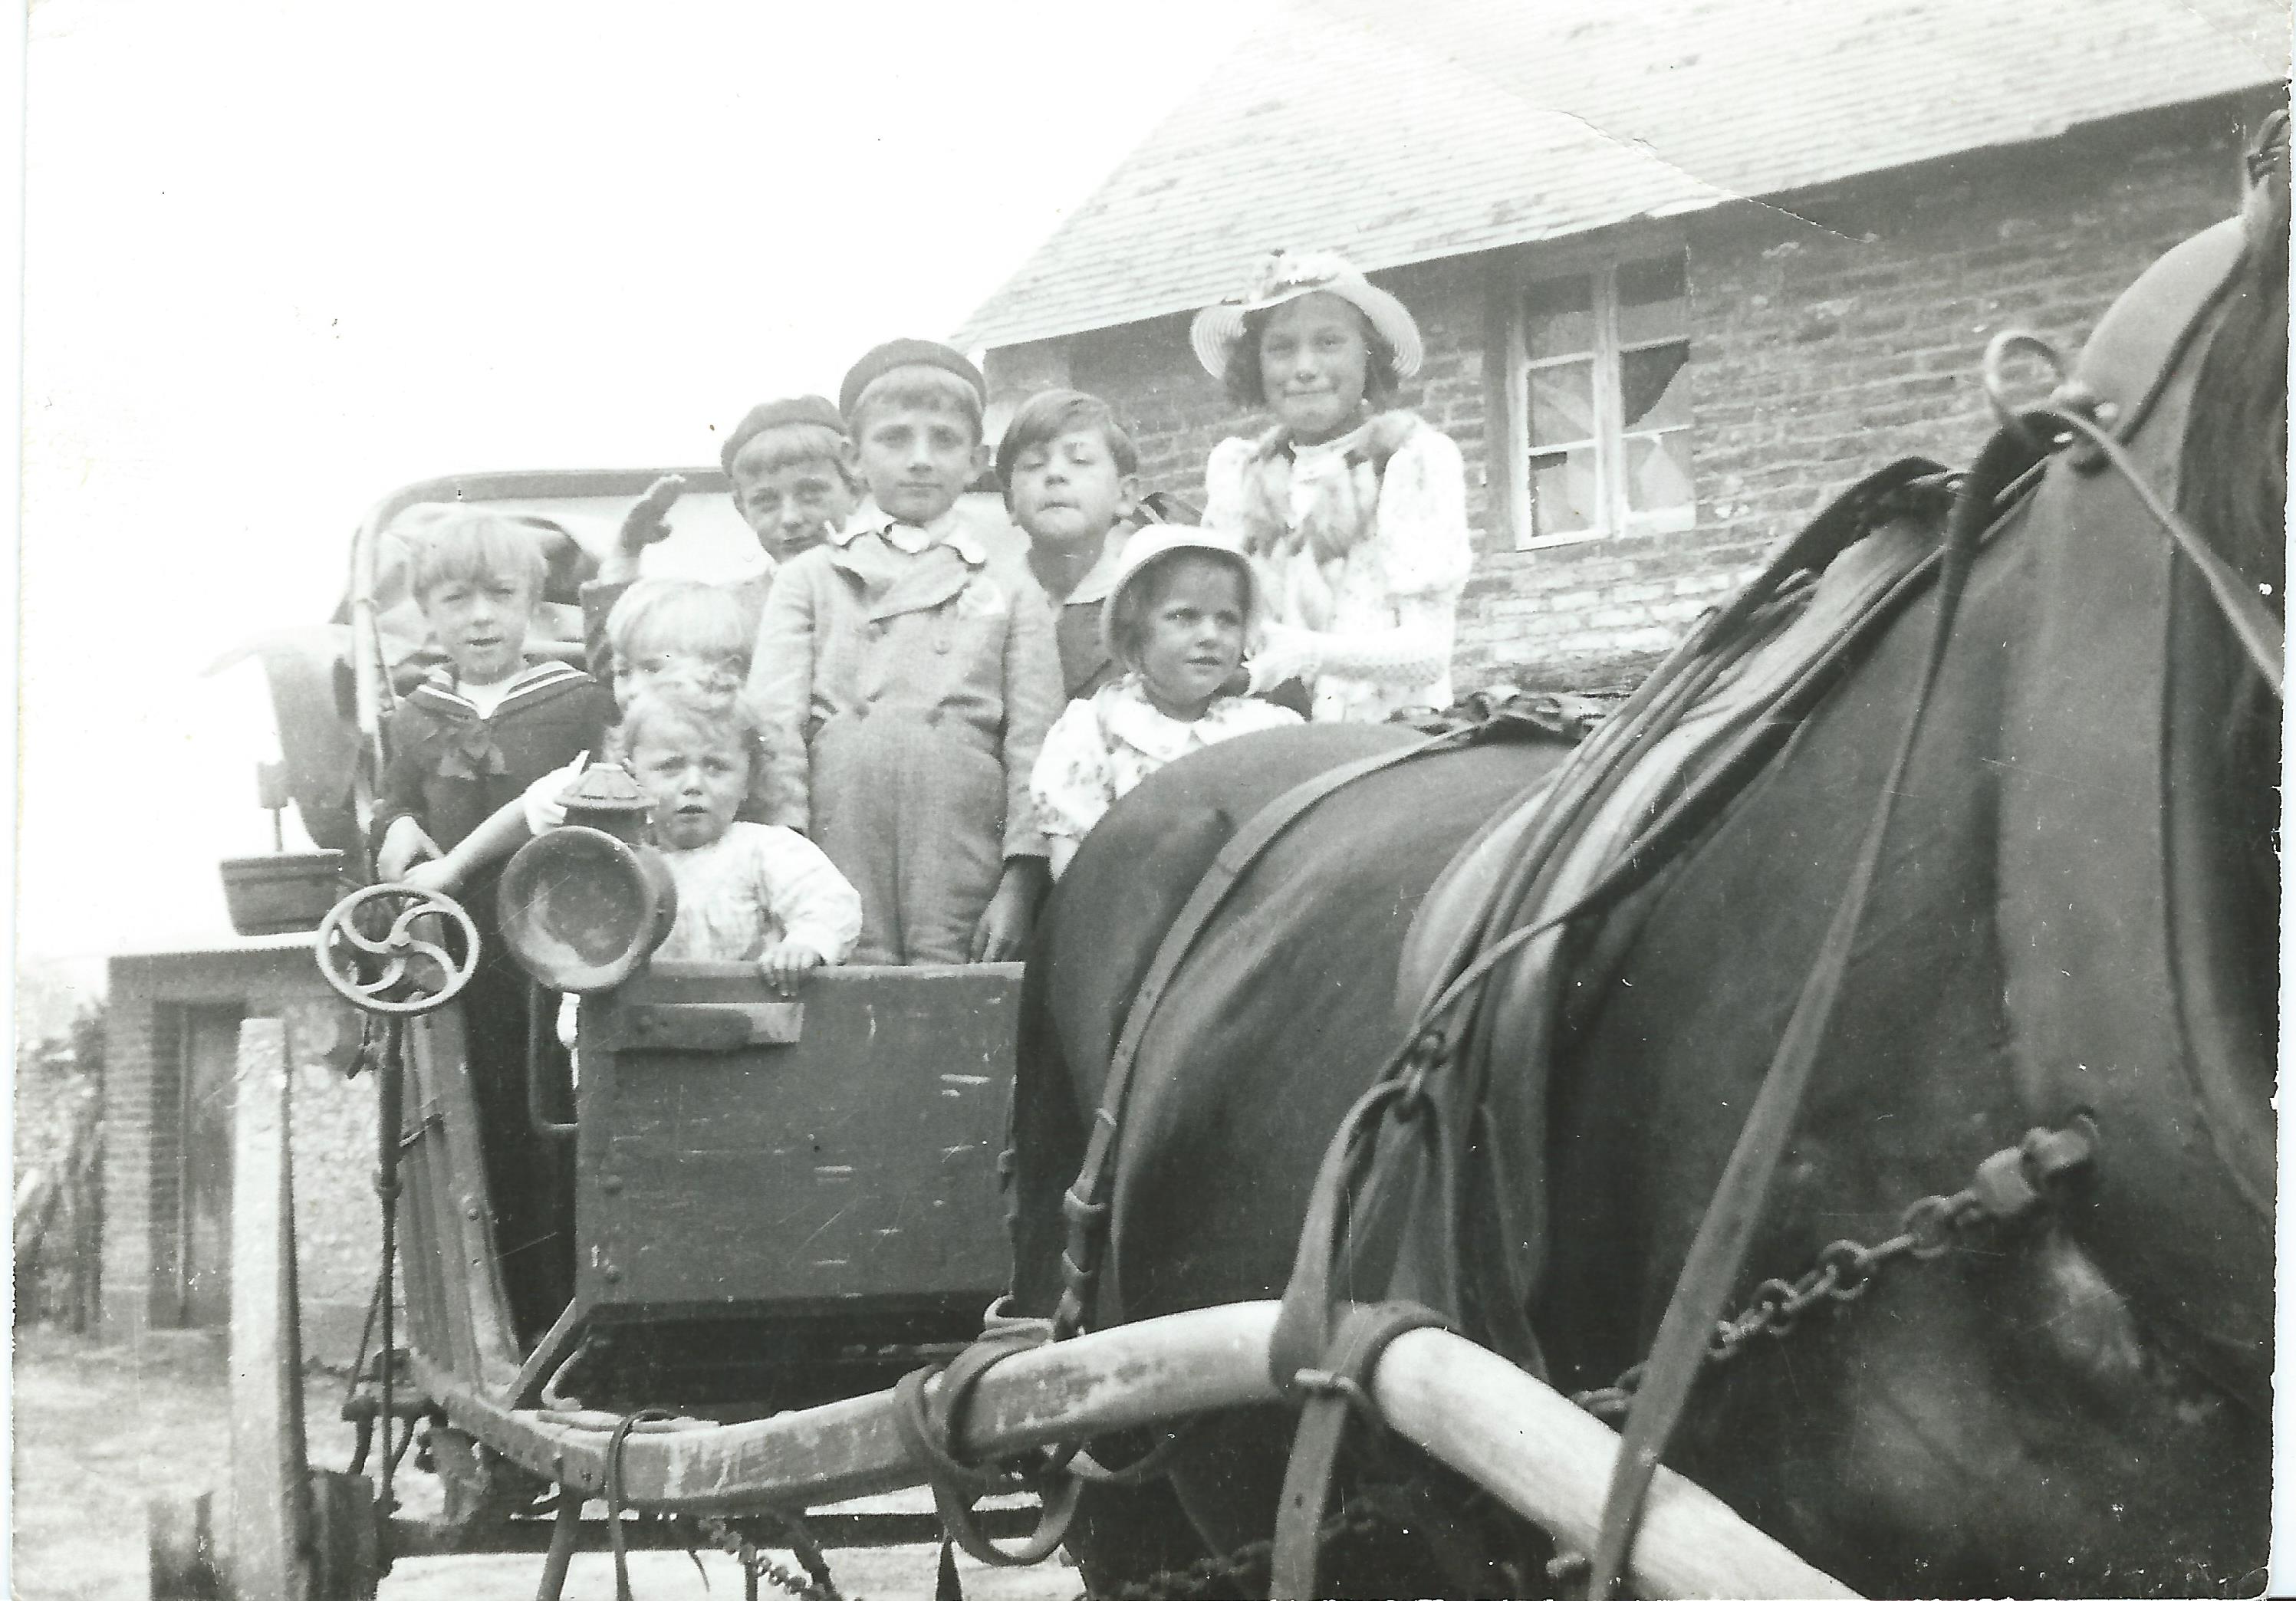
x=1363, y=546
x=1103, y=745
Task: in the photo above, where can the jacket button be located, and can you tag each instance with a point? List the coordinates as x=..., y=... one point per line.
x=941, y=645
x=862, y=710
x=932, y=714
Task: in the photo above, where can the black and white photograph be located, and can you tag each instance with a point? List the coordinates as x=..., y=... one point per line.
x=1043, y=802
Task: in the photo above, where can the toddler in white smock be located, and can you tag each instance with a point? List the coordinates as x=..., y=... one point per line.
x=746, y=891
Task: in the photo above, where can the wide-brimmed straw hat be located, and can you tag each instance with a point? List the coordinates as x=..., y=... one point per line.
x=1283, y=277
x=1152, y=544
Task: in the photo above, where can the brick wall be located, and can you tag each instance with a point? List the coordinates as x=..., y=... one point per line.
x=1832, y=333
x=138, y=1147
x=338, y=1218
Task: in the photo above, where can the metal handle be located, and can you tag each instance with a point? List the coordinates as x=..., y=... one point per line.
x=401, y=972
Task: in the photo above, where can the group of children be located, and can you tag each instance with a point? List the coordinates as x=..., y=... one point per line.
x=885, y=750
x=886, y=744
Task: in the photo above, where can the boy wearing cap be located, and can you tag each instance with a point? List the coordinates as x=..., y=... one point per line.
x=786, y=463
x=792, y=483
x=1180, y=608
x=905, y=680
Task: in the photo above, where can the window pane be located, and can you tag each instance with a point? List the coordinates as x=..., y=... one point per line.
x=1559, y=317
x=1658, y=471
x=1562, y=403
x=1651, y=300
x=1654, y=386
x=1563, y=491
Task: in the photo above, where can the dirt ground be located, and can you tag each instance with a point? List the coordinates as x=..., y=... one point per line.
x=99, y=1428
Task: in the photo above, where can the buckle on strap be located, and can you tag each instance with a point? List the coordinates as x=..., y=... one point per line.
x=1329, y=1393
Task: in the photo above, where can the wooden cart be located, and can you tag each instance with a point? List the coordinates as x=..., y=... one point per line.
x=783, y=1203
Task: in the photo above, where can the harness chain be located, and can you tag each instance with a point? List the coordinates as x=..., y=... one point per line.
x=1209, y=1575
x=814, y=1584
x=2008, y=1183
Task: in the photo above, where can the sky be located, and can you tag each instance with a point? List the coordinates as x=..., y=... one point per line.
x=282, y=258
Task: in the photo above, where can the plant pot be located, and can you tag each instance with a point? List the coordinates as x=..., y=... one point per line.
x=286, y=892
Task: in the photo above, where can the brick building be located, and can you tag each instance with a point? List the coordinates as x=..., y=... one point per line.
x=173, y=1050
x=1685, y=270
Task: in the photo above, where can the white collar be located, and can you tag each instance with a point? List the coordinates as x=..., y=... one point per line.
x=1339, y=444
x=947, y=528
x=1127, y=713
x=441, y=681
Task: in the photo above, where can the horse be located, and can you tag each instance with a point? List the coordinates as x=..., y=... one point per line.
x=2071, y=922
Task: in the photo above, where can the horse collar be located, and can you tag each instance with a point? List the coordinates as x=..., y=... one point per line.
x=2114, y=678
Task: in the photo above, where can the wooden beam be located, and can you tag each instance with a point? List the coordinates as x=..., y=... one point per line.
x=1477, y=1413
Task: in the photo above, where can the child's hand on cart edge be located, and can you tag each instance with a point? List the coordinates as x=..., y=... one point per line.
x=1002, y=935
x=403, y=844
x=645, y=522
x=784, y=960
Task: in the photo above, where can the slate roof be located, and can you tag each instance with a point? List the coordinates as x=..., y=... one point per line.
x=1403, y=130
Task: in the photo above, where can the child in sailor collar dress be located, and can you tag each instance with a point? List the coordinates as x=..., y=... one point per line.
x=465, y=742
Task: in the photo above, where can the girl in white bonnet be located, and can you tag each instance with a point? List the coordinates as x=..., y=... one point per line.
x=1181, y=607
x=1355, y=516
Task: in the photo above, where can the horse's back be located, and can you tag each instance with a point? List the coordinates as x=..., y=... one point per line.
x=1284, y=1006
x=1143, y=859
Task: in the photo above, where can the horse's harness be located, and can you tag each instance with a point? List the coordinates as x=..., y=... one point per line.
x=2137, y=370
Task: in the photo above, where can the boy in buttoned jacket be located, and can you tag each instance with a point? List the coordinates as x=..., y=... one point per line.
x=905, y=680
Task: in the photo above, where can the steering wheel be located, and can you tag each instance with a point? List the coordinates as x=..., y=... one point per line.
x=399, y=972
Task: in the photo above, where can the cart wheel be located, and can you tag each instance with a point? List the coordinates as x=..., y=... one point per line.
x=182, y=1547
x=344, y=1553
x=266, y=1518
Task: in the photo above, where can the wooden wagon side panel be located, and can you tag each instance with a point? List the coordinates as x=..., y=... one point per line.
x=455, y=1304
x=737, y=1150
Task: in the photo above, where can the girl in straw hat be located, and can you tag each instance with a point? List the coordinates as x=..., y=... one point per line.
x=1355, y=516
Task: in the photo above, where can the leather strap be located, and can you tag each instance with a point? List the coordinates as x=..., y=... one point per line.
x=1423, y=1136
x=929, y=1422
x=1085, y=1204
x=1719, y=1249
x=1338, y=1385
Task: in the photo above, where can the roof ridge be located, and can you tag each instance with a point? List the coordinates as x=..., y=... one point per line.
x=1460, y=125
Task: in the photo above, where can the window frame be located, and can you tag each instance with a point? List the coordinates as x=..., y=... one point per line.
x=1599, y=265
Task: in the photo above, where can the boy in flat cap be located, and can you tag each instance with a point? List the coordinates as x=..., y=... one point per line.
x=792, y=483
x=905, y=680
x=786, y=463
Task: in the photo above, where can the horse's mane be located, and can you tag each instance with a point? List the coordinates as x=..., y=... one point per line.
x=2234, y=475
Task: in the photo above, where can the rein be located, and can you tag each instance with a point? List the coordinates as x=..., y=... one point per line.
x=1324, y=1347
x=1720, y=1246
x=2075, y=411
x=1687, y=1330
